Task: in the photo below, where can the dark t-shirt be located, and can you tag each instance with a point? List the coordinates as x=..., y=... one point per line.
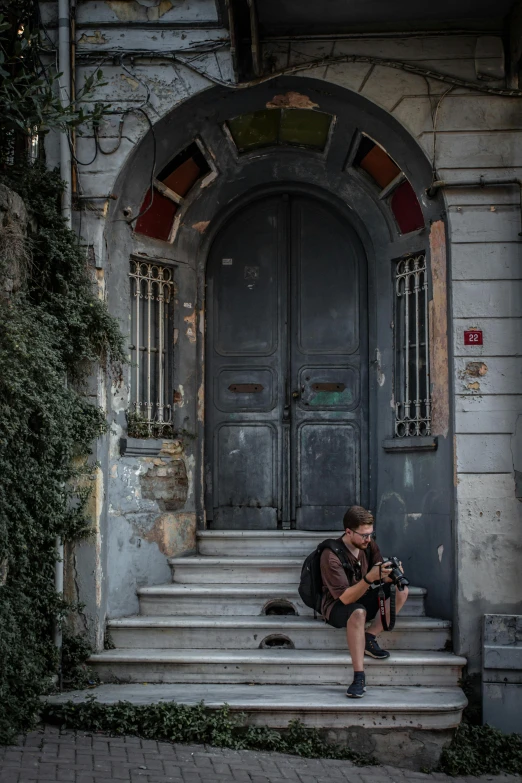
x=336, y=579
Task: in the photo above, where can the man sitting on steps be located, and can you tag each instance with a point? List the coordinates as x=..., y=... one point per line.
x=348, y=599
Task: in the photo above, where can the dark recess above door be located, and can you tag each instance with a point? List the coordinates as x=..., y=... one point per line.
x=335, y=17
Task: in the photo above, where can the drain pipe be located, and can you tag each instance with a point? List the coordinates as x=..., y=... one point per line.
x=482, y=182
x=64, y=68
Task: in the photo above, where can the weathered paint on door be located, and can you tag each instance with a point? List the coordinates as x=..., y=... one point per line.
x=287, y=356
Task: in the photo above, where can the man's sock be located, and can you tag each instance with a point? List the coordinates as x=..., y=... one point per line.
x=358, y=675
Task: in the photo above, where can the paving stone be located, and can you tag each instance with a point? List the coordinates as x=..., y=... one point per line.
x=9, y=776
x=220, y=768
x=48, y=756
x=241, y=775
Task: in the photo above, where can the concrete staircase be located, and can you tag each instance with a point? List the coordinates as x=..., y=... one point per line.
x=232, y=628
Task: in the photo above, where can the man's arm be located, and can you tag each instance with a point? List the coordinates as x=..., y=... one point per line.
x=353, y=593
x=356, y=591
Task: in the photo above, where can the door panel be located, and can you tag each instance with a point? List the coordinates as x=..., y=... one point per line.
x=329, y=416
x=246, y=288
x=246, y=342
x=245, y=389
x=246, y=485
x=286, y=383
x=329, y=388
x=326, y=281
x=328, y=473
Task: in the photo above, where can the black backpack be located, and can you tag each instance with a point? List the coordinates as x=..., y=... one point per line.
x=311, y=584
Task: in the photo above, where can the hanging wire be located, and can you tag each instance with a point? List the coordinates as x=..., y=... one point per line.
x=120, y=136
x=153, y=167
x=136, y=78
x=142, y=111
x=408, y=67
x=81, y=162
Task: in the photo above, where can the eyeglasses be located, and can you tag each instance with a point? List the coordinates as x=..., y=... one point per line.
x=365, y=536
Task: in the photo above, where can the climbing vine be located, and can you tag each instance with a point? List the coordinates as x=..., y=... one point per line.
x=51, y=330
x=53, y=327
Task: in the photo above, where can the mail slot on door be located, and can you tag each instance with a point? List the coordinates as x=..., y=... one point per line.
x=328, y=387
x=246, y=388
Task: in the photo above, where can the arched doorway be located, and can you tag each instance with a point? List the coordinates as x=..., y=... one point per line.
x=286, y=367
x=372, y=175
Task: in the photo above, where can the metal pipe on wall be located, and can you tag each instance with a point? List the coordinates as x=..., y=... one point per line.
x=64, y=68
x=482, y=182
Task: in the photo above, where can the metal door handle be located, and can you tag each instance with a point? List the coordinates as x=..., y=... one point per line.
x=296, y=394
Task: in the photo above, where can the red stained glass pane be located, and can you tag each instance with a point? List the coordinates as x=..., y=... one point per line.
x=157, y=221
x=379, y=166
x=184, y=177
x=184, y=170
x=406, y=208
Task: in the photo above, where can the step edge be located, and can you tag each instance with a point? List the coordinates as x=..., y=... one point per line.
x=245, y=560
x=268, y=534
x=350, y=707
x=420, y=622
x=329, y=658
x=244, y=588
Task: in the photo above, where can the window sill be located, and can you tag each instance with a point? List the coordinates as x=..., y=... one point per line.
x=141, y=447
x=402, y=445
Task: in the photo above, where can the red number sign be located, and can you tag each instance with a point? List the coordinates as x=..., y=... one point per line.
x=473, y=337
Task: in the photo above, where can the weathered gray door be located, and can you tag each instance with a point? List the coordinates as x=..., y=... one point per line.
x=286, y=377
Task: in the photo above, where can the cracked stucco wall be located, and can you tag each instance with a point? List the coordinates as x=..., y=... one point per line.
x=476, y=134
x=147, y=523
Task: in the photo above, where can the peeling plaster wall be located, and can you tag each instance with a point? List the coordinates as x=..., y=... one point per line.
x=146, y=524
x=476, y=134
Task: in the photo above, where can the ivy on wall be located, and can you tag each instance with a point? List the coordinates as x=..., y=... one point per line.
x=51, y=330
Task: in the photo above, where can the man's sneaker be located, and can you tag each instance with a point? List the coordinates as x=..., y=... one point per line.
x=357, y=688
x=372, y=648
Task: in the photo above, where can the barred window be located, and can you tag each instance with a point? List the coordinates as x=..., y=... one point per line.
x=412, y=371
x=152, y=299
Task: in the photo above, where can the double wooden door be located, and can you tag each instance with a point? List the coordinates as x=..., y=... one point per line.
x=286, y=368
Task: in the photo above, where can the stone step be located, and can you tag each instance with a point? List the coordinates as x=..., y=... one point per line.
x=249, y=633
x=227, y=600
x=261, y=543
x=285, y=667
x=232, y=570
x=320, y=706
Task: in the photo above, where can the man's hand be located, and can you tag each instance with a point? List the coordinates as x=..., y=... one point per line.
x=377, y=570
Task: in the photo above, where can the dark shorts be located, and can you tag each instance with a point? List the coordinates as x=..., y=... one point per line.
x=340, y=613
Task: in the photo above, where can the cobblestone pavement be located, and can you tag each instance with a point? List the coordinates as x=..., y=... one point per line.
x=50, y=755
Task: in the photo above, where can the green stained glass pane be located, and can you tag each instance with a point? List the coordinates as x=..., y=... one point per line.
x=304, y=128
x=259, y=129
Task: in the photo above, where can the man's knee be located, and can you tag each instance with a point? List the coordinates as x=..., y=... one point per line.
x=357, y=617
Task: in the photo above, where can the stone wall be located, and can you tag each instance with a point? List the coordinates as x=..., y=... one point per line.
x=466, y=134
x=14, y=227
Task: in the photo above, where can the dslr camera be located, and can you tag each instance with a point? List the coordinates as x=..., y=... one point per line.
x=396, y=575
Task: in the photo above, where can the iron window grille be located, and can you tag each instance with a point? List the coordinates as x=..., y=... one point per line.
x=412, y=369
x=152, y=299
